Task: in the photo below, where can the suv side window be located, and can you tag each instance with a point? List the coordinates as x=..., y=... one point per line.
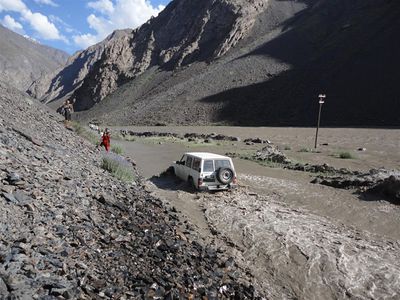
x=208, y=166
x=196, y=164
x=189, y=161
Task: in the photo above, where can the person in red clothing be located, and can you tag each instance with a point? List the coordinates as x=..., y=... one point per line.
x=105, y=140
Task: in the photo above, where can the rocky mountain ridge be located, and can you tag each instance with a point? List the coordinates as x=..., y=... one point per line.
x=184, y=32
x=23, y=60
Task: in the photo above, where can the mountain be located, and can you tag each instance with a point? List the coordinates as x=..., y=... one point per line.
x=22, y=60
x=184, y=32
x=244, y=63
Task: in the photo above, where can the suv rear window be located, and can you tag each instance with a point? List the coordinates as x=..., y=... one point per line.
x=208, y=166
x=222, y=163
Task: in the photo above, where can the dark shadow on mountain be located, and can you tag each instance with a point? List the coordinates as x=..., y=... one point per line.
x=348, y=50
x=66, y=77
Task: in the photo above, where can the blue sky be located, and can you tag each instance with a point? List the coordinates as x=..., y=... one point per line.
x=73, y=25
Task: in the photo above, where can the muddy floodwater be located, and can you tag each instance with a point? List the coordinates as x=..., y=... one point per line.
x=298, y=239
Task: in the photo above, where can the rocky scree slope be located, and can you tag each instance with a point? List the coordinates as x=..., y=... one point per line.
x=23, y=61
x=186, y=31
x=70, y=230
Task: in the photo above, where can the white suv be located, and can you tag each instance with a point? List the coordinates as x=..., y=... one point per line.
x=206, y=171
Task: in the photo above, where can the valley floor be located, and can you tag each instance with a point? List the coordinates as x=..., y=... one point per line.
x=299, y=240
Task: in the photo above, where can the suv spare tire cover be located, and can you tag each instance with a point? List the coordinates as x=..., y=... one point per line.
x=225, y=175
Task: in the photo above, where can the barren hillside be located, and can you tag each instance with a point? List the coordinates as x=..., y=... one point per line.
x=23, y=60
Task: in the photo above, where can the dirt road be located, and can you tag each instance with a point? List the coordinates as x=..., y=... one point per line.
x=298, y=239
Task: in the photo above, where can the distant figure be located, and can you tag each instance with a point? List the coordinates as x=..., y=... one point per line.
x=68, y=110
x=105, y=140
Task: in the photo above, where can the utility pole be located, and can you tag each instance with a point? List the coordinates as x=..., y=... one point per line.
x=321, y=101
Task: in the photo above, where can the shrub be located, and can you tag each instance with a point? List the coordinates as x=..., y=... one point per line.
x=117, y=149
x=129, y=138
x=90, y=136
x=346, y=155
x=304, y=150
x=287, y=148
x=77, y=127
x=118, y=166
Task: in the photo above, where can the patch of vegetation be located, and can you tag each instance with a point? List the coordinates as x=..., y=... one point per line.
x=78, y=128
x=86, y=134
x=128, y=138
x=346, y=155
x=117, y=149
x=287, y=148
x=305, y=150
x=118, y=136
x=203, y=143
x=118, y=166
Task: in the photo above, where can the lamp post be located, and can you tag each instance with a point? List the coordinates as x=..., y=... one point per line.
x=321, y=101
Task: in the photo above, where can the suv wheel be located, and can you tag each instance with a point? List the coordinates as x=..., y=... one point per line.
x=171, y=171
x=225, y=175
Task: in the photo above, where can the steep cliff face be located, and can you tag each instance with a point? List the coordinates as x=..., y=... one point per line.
x=23, y=60
x=185, y=32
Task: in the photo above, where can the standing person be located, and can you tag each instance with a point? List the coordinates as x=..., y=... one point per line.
x=68, y=110
x=105, y=140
